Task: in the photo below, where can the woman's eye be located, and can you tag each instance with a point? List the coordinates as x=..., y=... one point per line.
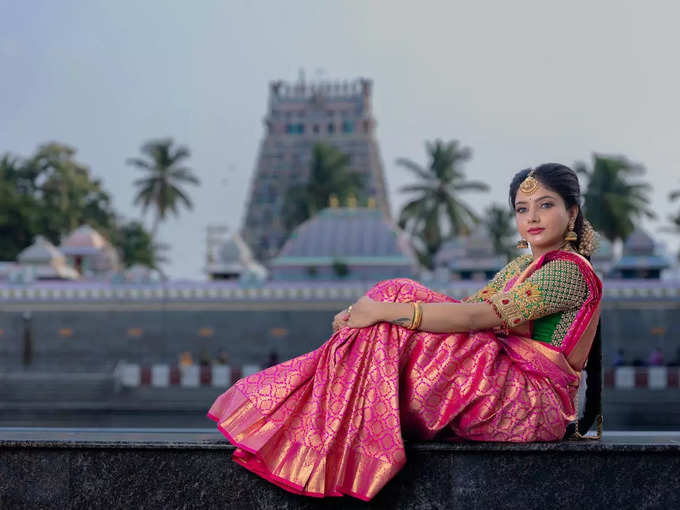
x=546, y=205
x=520, y=209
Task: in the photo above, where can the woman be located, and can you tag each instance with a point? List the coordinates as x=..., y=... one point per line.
x=405, y=361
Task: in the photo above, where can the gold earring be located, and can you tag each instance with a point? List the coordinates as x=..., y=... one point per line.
x=522, y=244
x=571, y=235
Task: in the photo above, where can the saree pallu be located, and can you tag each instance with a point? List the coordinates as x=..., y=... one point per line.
x=332, y=421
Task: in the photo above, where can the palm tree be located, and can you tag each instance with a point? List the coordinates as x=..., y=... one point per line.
x=612, y=202
x=329, y=175
x=437, y=213
x=499, y=225
x=160, y=188
x=675, y=219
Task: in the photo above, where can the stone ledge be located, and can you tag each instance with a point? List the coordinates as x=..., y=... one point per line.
x=169, y=468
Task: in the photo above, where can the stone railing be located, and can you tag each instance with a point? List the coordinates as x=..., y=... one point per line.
x=277, y=291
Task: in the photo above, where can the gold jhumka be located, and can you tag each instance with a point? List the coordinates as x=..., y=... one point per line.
x=571, y=235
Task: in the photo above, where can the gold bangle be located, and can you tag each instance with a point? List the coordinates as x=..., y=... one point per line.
x=413, y=316
x=419, y=315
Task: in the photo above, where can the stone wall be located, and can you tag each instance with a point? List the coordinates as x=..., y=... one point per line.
x=95, y=339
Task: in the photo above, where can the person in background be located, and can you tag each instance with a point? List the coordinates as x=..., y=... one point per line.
x=655, y=357
x=222, y=357
x=272, y=360
x=619, y=359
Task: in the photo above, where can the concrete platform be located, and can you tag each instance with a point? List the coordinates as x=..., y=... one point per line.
x=191, y=468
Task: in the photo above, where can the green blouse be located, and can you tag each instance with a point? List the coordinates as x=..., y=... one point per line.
x=550, y=298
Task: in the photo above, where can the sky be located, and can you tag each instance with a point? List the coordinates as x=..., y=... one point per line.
x=521, y=83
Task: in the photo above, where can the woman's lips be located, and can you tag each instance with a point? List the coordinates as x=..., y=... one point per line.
x=535, y=230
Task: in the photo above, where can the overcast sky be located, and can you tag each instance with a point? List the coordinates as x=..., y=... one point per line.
x=520, y=82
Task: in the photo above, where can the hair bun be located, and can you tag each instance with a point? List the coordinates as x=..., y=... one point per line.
x=590, y=241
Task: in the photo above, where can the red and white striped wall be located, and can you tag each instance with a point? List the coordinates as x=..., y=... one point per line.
x=652, y=378
x=188, y=376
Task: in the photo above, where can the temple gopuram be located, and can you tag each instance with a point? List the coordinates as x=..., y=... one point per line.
x=299, y=116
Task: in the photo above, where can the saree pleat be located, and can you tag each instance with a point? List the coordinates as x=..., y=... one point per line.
x=332, y=421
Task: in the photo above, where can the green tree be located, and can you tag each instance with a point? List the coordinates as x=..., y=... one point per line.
x=340, y=268
x=329, y=175
x=50, y=194
x=137, y=246
x=437, y=213
x=19, y=210
x=499, y=223
x=161, y=187
x=612, y=202
x=69, y=194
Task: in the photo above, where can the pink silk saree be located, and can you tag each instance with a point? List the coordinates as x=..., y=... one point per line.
x=331, y=422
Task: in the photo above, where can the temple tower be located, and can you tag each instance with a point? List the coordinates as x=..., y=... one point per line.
x=301, y=115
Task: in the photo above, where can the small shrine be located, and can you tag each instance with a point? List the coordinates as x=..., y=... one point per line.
x=642, y=258
x=469, y=257
x=90, y=253
x=42, y=261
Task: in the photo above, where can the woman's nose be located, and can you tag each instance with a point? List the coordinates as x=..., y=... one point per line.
x=533, y=215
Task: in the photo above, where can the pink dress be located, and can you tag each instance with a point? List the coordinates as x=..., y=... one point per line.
x=332, y=421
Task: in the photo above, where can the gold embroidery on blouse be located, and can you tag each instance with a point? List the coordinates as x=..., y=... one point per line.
x=516, y=304
x=497, y=283
x=562, y=327
x=558, y=286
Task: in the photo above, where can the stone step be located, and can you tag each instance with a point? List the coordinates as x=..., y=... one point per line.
x=89, y=468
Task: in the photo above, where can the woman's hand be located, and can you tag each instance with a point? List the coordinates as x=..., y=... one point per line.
x=340, y=320
x=363, y=313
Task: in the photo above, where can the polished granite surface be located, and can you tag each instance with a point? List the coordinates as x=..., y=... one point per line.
x=73, y=468
x=208, y=438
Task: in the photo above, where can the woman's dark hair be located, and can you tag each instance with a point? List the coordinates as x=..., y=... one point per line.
x=563, y=180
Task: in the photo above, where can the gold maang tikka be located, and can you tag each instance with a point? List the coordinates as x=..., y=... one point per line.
x=530, y=184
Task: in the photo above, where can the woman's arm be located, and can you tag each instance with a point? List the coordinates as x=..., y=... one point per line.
x=437, y=317
x=443, y=317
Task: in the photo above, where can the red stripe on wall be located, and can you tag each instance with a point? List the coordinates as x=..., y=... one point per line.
x=206, y=376
x=174, y=375
x=609, y=377
x=641, y=378
x=235, y=374
x=145, y=379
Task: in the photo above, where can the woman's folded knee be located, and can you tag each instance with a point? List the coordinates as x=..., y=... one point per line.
x=395, y=290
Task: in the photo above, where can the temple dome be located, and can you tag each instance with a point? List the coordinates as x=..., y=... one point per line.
x=345, y=232
x=232, y=259
x=43, y=260
x=362, y=239
x=40, y=252
x=642, y=257
x=90, y=252
x=471, y=256
x=639, y=242
x=84, y=240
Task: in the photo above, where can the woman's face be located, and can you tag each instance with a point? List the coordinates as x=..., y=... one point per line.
x=542, y=218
